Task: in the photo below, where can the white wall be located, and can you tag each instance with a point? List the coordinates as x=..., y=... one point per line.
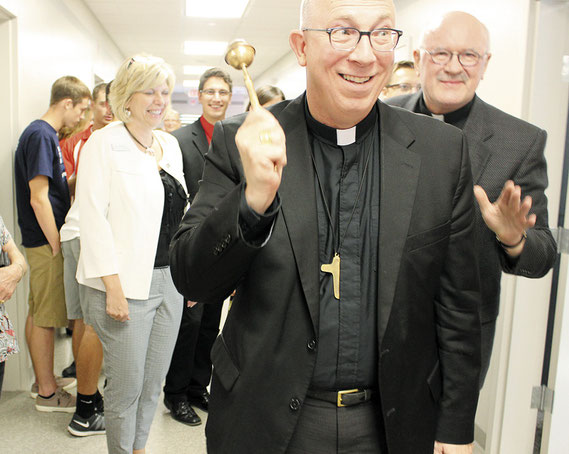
x=48, y=39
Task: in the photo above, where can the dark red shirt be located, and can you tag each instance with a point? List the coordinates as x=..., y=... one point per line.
x=207, y=127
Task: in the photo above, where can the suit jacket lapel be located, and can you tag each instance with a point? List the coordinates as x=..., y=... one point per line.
x=298, y=203
x=199, y=138
x=478, y=132
x=399, y=175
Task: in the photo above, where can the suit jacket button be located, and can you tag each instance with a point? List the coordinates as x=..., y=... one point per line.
x=294, y=404
x=383, y=353
x=311, y=345
x=390, y=412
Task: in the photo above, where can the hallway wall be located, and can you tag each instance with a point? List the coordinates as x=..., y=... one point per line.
x=44, y=40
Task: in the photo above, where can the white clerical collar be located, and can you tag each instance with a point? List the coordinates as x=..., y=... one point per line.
x=439, y=117
x=342, y=137
x=346, y=136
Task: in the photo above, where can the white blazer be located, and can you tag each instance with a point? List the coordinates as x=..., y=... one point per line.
x=120, y=214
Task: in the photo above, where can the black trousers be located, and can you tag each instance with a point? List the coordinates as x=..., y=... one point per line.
x=324, y=428
x=190, y=368
x=487, y=333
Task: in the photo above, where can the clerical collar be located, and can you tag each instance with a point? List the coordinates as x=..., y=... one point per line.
x=341, y=137
x=456, y=118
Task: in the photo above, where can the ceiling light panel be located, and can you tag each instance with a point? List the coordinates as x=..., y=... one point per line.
x=219, y=9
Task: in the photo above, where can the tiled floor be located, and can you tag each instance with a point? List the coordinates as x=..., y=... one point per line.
x=27, y=431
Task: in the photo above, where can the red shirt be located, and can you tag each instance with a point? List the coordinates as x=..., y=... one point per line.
x=70, y=149
x=207, y=127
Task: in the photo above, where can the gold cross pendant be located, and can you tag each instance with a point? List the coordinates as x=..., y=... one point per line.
x=334, y=269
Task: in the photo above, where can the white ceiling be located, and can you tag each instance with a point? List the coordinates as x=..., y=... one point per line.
x=160, y=27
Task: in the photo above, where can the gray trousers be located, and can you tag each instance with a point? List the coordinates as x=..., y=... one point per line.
x=137, y=355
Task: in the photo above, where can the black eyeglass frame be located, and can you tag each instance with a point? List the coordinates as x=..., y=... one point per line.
x=458, y=54
x=361, y=33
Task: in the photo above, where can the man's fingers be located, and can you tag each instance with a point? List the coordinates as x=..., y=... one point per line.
x=531, y=220
x=526, y=205
x=481, y=198
x=515, y=199
x=506, y=193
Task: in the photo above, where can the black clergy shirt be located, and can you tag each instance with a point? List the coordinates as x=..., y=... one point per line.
x=347, y=338
x=456, y=118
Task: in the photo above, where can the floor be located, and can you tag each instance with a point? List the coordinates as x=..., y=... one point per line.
x=27, y=431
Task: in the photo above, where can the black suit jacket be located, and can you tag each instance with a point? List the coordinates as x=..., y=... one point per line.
x=428, y=322
x=503, y=147
x=194, y=146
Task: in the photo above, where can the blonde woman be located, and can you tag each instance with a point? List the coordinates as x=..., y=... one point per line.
x=132, y=196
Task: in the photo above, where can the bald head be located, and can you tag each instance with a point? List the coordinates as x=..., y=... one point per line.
x=309, y=10
x=449, y=86
x=457, y=26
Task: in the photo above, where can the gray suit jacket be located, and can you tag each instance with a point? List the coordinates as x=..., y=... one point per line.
x=503, y=147
x=194, y=146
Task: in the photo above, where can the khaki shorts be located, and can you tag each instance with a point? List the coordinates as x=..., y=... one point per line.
x=47, y=296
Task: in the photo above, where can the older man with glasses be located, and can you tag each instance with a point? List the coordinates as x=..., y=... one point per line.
x=354, y=328
x=507, y=156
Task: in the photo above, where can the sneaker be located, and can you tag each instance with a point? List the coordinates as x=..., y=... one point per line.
x=84, y=427
x=60, y=401
x=70, y=371
x=65, y=383
x=100, y=406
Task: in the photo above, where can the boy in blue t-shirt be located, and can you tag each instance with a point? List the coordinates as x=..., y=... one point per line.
x=42, y=197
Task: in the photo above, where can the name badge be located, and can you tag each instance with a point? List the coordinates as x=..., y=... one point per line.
x=119, y=147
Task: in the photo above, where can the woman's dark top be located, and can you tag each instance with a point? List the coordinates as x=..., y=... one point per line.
x=174, y=203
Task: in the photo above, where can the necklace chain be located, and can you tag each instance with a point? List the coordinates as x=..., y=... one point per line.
x=147, y=150
x=340, y=241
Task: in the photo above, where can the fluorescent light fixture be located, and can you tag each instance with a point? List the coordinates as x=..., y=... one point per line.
x=222, y=9
x=195, y=70
x=205, y=47
x=191, y=83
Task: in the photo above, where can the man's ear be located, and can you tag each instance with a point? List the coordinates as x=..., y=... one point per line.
x=298, y=46
x=417, y=60
x=485, y=65
x=67, y=103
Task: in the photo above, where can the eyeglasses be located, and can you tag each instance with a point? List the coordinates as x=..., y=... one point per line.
x=347, y=38
x=211, y=92
x=404, y=87
x=465, y=58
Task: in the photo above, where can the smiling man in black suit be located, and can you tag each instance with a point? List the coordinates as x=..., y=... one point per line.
x=190, y=370
x=507, y=159
x=347, y=229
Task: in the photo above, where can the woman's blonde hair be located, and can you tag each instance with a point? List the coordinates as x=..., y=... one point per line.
x=138, y=73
